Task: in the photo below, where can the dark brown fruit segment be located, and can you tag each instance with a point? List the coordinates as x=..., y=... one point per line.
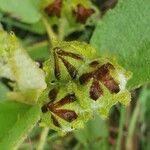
x=53, y=94
x=69, y=98
x=48, y=107
x=69, y=54
x=70, y=68
x=59, y=54
x=94, y=64
x=101, y=74
x=104, y=76
x=44, y=108
x=95, y=90
x=111, y=85
x=67, y=115
x=82, y=13
x=54, y=9
x=55, y=121
x=85, y=77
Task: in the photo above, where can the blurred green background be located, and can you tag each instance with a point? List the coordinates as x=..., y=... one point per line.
x=125, y=129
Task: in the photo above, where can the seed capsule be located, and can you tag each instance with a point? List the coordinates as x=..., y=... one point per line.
x=66, y=59
x=100, y=81
x=61, y=110
x=54, y=9
x=82, y=13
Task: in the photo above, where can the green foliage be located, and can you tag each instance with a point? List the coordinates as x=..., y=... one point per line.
x=124, y=33
x=82, y=82
x=94, y=135
x=35, y=27
x=3, y=90
x=39, y=51
x=24, y=10
x=16, y=121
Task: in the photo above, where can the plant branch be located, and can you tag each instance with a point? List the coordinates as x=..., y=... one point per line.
x=132, y=126
x=37, y=45
x=121, y=123
x=61, y=30
x=42, y=139
x=51, y=35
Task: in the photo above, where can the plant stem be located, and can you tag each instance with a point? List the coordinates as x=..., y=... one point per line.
x=121, y=124
x=132, y=126
x=51, y=35
x=134, y=119
x=61, y=30
x=37, y=45
x=42, y=139
x=53, y=137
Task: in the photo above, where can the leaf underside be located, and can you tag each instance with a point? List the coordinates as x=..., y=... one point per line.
x=124, y=33
x=20, y=120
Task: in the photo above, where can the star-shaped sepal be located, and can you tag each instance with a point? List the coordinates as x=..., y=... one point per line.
x=66, y=58
x=60, y=108
x=103, y=84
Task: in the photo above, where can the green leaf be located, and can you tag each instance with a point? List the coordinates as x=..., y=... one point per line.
x=94, y=135
x=23, y=10
x=3, y=91
x=39, y=51
x=124, y=32
x=17, y=120
x=35, y=27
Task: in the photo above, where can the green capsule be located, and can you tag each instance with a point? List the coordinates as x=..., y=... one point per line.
x=65, y=60
x=61, y=110
x=102, y=84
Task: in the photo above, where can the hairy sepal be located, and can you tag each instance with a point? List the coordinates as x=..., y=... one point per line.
x=82, y=53
x=109, y=90
x=62, y=114
x=99, y=84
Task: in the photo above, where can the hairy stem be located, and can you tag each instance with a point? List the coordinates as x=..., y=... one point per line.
x=61, y=30
x=132, y=126
x=121, y=124
x=51, y=35
x=134, y=119
x=37, y=45
x=42, y=139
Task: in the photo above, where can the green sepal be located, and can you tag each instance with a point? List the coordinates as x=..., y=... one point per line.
x=63, y=126
x=83, y=50
x=107, y=99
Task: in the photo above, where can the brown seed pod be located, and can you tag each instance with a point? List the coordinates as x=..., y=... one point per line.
x=54, y=9
x=82, y=13
x=103, y=84
x=66, y=59
x=100, y=74
x=61, y=110
x=60, y=54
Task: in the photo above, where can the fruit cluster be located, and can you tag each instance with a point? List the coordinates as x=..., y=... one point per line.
x=80, y=84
